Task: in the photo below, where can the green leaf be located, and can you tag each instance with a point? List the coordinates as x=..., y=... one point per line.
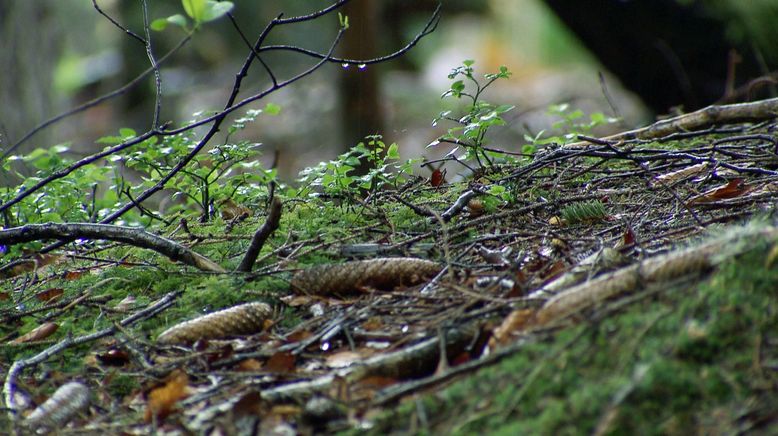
x=110, y=140
x=126, y=132
x=343, y=20
x=215, y=10
x=159, y=24
x=195, y=9
x=468, y=62
x=272, y=109
x=504, y=108
x=393, y=151
x=177, y=19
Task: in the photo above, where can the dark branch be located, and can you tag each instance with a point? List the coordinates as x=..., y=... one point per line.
x=129, y=235
x=264, y=232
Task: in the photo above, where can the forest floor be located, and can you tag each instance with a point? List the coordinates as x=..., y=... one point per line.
x=607, y=287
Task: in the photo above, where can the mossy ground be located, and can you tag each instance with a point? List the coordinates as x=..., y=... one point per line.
x=693, y=357
x=697, y=358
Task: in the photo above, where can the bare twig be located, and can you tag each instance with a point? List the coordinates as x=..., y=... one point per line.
x=154, y=66
x=9, y=386
x=129, y=235
x=273, y=219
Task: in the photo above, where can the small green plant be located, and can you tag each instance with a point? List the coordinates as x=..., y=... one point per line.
x=61, y=200
x=572, y=122
x=199, y=11
x=226, y=171
x=472, y=127
x=584, y=212
x=336, y=177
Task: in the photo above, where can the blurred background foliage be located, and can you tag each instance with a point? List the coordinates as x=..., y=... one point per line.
x=55, y=55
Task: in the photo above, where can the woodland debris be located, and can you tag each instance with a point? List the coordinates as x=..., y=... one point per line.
x=273, y=220
x=359, y=275
x=39, y=333
x=707, y=116
x=129, y=235
x=238, y=320
x=164, y=398
x=55, y=412
x=656, y=271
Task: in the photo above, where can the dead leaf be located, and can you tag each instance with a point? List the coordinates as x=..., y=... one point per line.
x=734, y=188
x=281, y=362
x=39, y=333
x=73, y=275
x=461, y=358
x=297, y=300
x=675, y=176
x=163, y=399
x=250, y=404
x=114, y=357
x=49, y=294
x=438, y=177
x=231, y=210
x=249, y=365
x=373, y=323
x=628, y=238
x=298, y=336
x=554, y=270
x=771, y=256
x=343, y=359
x=515, y=322
x=126, y=304
x=367, y=388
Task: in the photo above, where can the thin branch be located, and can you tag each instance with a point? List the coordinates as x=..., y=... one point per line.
x=116, y=23
x=154, y=66
x=248, y=44
x=94, y=102
x=229, y=107
x=430, y=27
x=313, y=15
x=85, y=161
x=9, y=386
x=273, y=219
x=129, y=235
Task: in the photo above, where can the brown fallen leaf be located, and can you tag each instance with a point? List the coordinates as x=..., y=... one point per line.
x=39, y=333
x=163, y=399
x=113, y=357
x=49, y=294
x=249, y=365
x=676, y=176
x=438, y=177
x=73, y=275
x=515, y=322
x=733, y=188
x=281, y=362
x=343, y=359
x=231, y=210
x=37, y=263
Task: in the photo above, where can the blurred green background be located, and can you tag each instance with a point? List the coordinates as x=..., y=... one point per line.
x=56, y=55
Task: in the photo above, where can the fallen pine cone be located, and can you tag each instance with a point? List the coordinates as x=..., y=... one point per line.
x=356, y=276
x=238, y=320
x=55, y=412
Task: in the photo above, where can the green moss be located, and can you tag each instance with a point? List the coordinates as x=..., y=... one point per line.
x=674, y=364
